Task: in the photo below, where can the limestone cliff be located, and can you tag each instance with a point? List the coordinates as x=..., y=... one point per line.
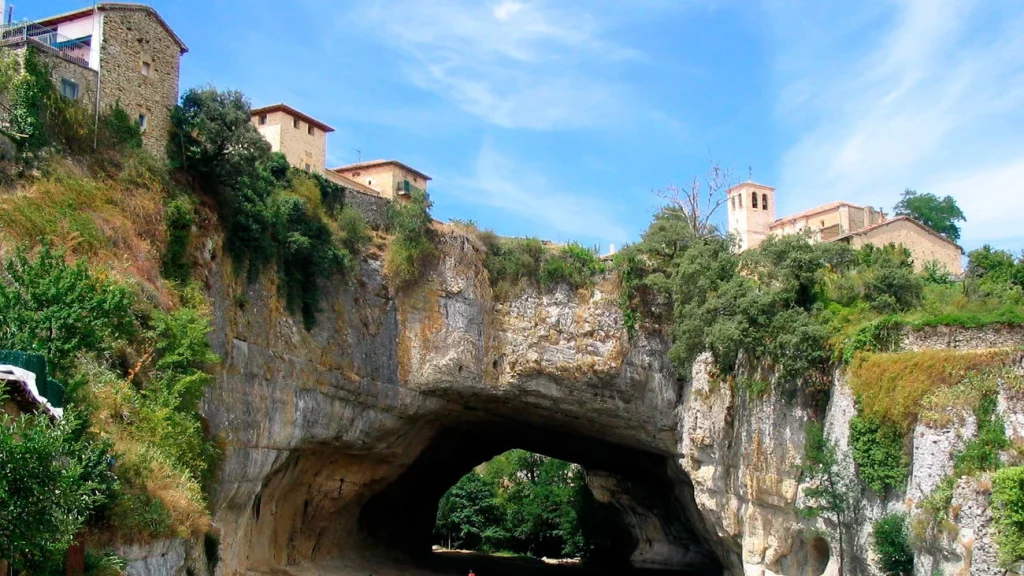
x=340, y=441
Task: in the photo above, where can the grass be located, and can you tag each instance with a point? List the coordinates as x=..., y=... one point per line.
x=893, y=388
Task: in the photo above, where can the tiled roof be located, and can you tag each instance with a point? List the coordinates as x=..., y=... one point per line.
x=867, y=229
x=282, y=107
x=817, y=210
x=372, y=163
x=75, y=14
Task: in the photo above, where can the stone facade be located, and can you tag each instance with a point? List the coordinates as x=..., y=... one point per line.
x=385, y=176
x=139, y=64
x=373, y=208
x=62, y=70
x=301, y=138
x=924, y=244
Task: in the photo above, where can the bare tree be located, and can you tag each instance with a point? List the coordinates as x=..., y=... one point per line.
x=698, y=202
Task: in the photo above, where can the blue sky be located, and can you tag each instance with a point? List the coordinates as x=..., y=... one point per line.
x=558, y=118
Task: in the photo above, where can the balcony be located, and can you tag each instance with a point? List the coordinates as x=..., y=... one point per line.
x=73, y=49
x=405, y=188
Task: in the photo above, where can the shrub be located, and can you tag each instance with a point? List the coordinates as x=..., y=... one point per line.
x=881, y=335
x=572, y=265
x=40, y=116
x=1008, y=514
x=878, y=450
x=411, y=244
x=355, y=235
x=981, y=453
x=51, y=481
x=179, y=216
x=119, y=130
x=891, y=544
x=61, y=310
x=512, y=262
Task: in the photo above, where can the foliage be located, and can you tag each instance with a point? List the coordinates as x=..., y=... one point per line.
x=355, y=235
x=179, y=216
x=891, y=543
x=572, y=264
x=271, y=213
x=878, y=450
x=41, y=116
x=1008, y=514
x=118, y=130
x=411, y=244
x=830, y=493
x=939, y=214
x=524, y=503
x=995, y=270
x=880, y=335
x=51, y=480
x=104, y=563
x=630, y=268
x=512, y=262
x=61, y=310
x=981, y=453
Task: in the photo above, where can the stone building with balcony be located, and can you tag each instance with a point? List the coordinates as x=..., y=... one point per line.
x=390, y=178
x=751, y=218
x=107, y=54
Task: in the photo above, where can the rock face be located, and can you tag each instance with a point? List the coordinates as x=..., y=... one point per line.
x=339, y=442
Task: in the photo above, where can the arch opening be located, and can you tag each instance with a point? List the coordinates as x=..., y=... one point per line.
x=644, y=522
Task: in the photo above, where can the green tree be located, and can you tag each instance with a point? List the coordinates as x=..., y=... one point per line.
x=1008, y=514
x=411, y=244
x=830, y=491
x=879, y=453
x=50, y=483
x=469, y=514
x=939, y=214
x=891, y=543
x=61, y=310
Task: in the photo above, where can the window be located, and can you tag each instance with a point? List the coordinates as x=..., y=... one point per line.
x=733, y=199
x=822, y=223
x=740, y=196
x=69, y=88
x=753, y=199
x=295, y=123
x=311, y=130
x=369, y=182
x=263, y=119
x=764, y=201
x=145, y=68
x=309, y=168
x=142, y=122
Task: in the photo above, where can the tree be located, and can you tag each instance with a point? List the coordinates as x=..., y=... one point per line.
x=698, y=202
x=468, y=513
x=831, y=490
x=939, y=214
x=50, y=482
x=891, y=543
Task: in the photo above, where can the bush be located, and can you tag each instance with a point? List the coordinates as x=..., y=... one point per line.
x=1008, y=514
x=62, y=310
x=40, y=116
x=51, y=481
x=411, y=245
x=878, y=450
x=179, y=217
x=118, y=130
x=355, y=235
x=512, y=262
x=981, y=453
x=891, y=544
x=572, y=265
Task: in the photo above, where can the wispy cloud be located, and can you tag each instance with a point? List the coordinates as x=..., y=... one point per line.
x=516, y=64
x=503, y=183
x=931, y=104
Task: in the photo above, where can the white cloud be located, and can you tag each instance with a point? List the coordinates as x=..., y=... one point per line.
x=505, y=184
x=515, y=64
x=933, y=106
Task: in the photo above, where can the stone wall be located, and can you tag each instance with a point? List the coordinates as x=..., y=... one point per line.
x=373, y=208
x=61, y=68
x=959, y=338
x=925, y=246
x=132, y=37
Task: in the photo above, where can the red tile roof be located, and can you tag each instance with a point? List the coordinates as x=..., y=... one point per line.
x=292, y=111
x=372, y=163
x=76, y=14
x=867, y=229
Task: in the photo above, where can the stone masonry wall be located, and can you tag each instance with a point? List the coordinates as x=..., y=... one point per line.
x=958, y=338
x=132, y=36
x=373, y=208
x=61, y=68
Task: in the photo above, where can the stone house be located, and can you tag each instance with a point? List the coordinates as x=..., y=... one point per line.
x=110, y=53
x=390, y=178
x=300, y=137
x=751, y=218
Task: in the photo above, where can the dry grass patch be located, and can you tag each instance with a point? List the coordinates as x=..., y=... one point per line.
x=893, y=387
